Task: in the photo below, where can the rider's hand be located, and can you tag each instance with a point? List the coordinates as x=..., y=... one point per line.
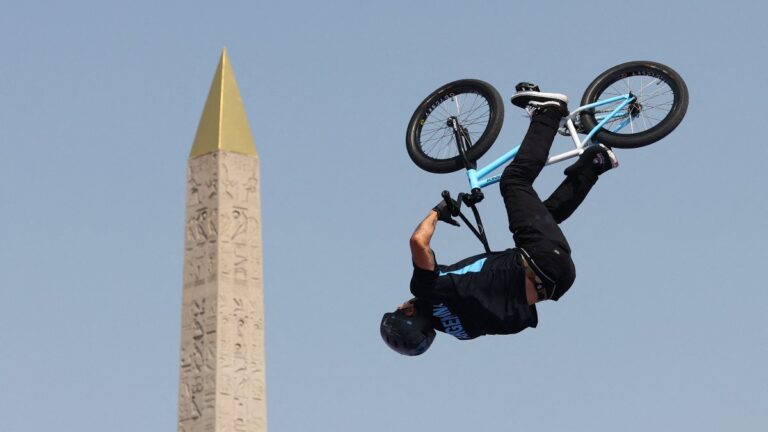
x=444, y=211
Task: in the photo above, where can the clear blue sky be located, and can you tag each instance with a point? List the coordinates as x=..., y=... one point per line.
x=99, y=102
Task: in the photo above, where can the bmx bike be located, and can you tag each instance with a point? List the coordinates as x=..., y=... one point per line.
x=628, y=106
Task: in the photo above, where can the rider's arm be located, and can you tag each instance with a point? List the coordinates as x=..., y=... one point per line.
x=420, y=251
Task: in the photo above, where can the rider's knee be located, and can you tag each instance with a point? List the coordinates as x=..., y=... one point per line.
x=565, y=278
x=563, y=272
x=559, y=271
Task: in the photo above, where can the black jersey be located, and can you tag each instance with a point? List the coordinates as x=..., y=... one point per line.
x=479, y=295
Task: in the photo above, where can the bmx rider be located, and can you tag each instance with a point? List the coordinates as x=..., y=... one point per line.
x=497, y=292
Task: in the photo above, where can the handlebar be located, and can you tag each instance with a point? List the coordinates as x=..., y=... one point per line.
x=469, y=199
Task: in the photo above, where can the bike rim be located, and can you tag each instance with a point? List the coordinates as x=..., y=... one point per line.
x=654, y=102
x=436, y=137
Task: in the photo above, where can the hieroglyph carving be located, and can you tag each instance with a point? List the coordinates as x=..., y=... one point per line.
x=198, y=361
x=222, y=359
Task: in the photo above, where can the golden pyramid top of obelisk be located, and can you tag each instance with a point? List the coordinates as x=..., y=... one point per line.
x=224, y=124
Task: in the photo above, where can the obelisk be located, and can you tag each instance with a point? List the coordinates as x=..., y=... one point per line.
x=222, y=376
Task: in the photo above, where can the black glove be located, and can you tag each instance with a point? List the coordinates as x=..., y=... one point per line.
x=445, y=211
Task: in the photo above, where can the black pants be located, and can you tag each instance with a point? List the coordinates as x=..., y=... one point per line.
x=534, y=224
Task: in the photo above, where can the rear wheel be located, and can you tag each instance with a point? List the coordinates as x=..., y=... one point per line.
x=430, y=139
x=661, y=100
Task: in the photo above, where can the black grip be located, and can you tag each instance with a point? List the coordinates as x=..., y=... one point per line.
x=450, y=202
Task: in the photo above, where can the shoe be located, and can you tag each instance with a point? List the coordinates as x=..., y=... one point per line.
x=597, y=158
x=529, y=97
x=526, y=86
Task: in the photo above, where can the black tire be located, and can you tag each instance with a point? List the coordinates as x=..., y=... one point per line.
x=430, y=141
x=658, y=112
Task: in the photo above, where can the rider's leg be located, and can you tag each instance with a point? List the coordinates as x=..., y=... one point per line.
x=580, y=177
x=569, y=195
x=532, y=225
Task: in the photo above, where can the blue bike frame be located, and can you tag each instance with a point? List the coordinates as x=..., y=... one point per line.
x=478, y=177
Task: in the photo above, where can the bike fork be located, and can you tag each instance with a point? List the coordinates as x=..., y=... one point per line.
x=462, y=141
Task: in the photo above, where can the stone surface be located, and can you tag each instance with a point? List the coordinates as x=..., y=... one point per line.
x=222, y=379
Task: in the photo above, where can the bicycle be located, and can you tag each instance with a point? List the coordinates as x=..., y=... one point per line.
x=630, y=105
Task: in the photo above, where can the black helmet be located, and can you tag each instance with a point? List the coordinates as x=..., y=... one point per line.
x=408, y=335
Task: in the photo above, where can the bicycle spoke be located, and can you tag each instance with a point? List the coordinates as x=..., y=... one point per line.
x=655, y=95
x=476, y=104
x=653, y=118
x=444, y=108
x=629, y=89
x=642, y=116
x=643, y=87
x=664, y=106
x=436, y=140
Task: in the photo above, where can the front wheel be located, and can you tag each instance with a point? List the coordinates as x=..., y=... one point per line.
x=430, y=140
x=659, y=105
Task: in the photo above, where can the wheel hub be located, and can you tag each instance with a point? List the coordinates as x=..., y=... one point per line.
x=634, y=108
